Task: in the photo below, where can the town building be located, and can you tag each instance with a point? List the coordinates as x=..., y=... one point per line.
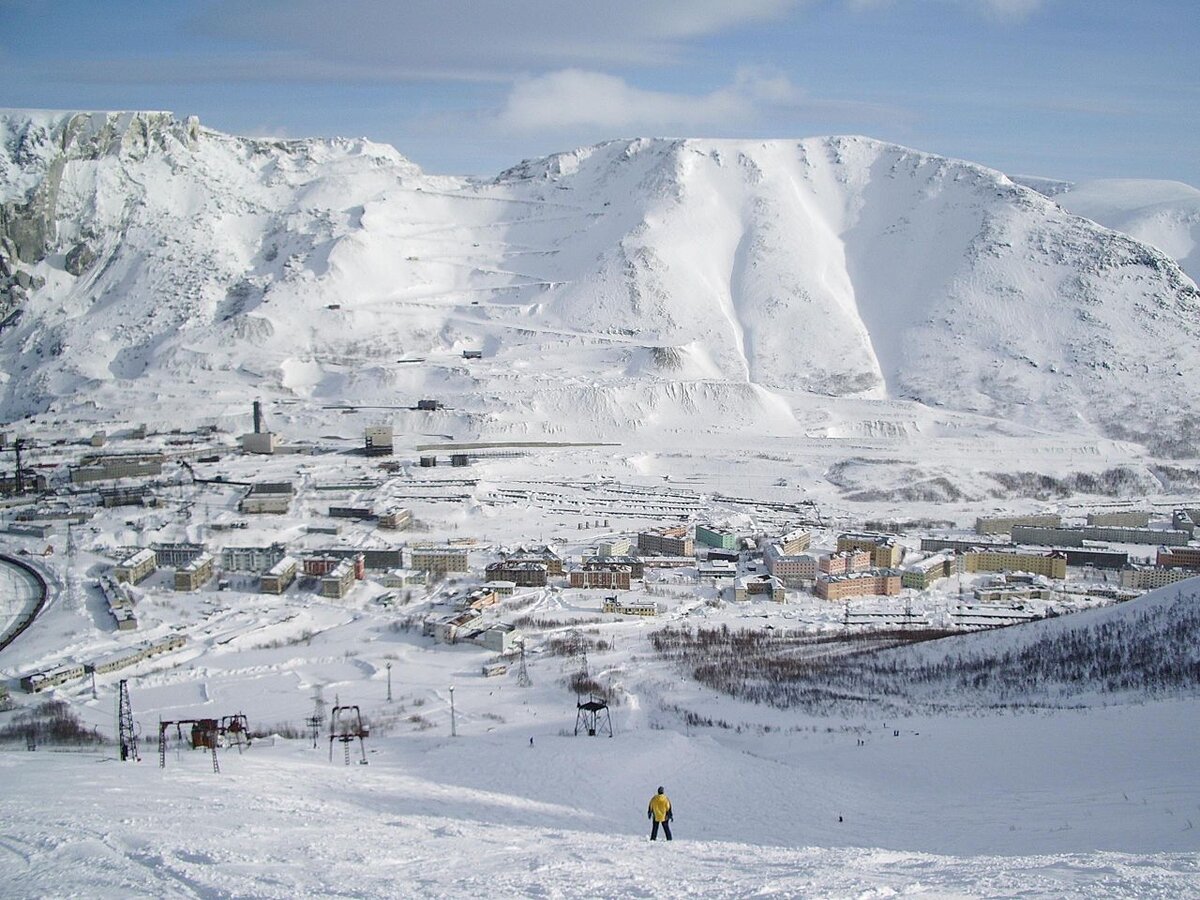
x=1150, y=577
x=378, y=440
x=194, y=575
x=120, y=603
x=877, y=582
x=375, y=559
x=844, y=562
x=268, y=497
x=1179, y=558
x=251, y=559
x=438, y=560
x=920, y=575
x=277, y=578
x=447, y=629
x=667, y=541
x=886, y=552
x=793, y=569
x=176, y=554
x=629, y=607
x=327, y=561
x=615, y=547
x=500, y=637
x=126, y=495
x=1075, y=537
x=1052, y=565
x=396, y=519
x=1130, y=518
x=361, y=513
x=715, y=537
x=400, y=578
x=338, y=581
x=521, y=573
x=613, y=578
x=796, y=541
x=1004, y=524
x=637, y=566
x=136, y=567
x=934, y=544
x=717, y=568
x=1186, y=520
x=1011, y=593
x=111, y=466
x=544, y=555
x=752, y=587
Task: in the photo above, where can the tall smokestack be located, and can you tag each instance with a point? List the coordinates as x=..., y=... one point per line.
x=257, y=417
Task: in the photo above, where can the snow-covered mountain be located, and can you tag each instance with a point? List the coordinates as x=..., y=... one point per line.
x=1163, y=213
x=639, y=284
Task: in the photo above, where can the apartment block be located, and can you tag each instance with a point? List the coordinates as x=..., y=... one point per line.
x=1179, y=558
x=1004, y=524
x=136, y=567
x=844, y=562
x=521, y=573
x=878, y=582
x=194, y=575
x=277, y=578
x=672, y=541
x=795, y=542
x=1052, y=565
x=766, y=587
x=438, y=560
x=715, y=537
x=790, y=568
x=886, y=552
x=1146, y=577
x=339, y=581
x=922, y=574
x=1130, y=518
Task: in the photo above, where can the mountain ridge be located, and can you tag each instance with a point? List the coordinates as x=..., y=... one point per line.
x=630, y=285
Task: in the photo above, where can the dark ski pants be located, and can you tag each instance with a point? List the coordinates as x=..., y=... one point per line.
x=666, y=827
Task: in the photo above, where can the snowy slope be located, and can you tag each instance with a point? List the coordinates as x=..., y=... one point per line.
x=1165, y=214
x=648, y=284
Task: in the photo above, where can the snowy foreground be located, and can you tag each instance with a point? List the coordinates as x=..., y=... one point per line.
x=1093, y=803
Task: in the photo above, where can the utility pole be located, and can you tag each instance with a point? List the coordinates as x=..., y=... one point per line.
x=389, y=671
x=453, y=726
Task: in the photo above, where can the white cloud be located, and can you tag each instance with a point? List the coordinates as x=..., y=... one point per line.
x=574, y=101
x=1003, y=10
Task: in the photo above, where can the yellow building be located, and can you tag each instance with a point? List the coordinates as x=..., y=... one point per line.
x=1052, y=565
x=885, y=551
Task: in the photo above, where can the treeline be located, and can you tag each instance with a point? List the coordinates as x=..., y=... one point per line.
x=51, y=722
x=1154, y=650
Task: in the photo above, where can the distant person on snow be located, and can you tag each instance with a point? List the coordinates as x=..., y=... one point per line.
x=659, y=813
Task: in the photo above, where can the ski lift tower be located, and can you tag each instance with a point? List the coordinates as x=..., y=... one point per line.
x=346, y=724
x=593, y=717
x=126, y=730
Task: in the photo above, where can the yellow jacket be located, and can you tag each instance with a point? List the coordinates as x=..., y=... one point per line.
x=660, y=808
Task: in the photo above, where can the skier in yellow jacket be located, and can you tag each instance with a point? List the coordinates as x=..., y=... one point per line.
x=659, y=813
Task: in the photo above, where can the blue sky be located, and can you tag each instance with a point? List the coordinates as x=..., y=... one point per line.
x=1069, y=89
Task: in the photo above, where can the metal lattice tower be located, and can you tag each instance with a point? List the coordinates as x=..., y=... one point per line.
x=126, y=734
x=523, y=679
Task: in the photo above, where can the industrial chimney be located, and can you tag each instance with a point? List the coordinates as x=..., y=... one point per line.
x=257, y=417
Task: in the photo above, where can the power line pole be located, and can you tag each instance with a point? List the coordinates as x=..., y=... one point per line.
x=453, y=726
x=389, y=671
